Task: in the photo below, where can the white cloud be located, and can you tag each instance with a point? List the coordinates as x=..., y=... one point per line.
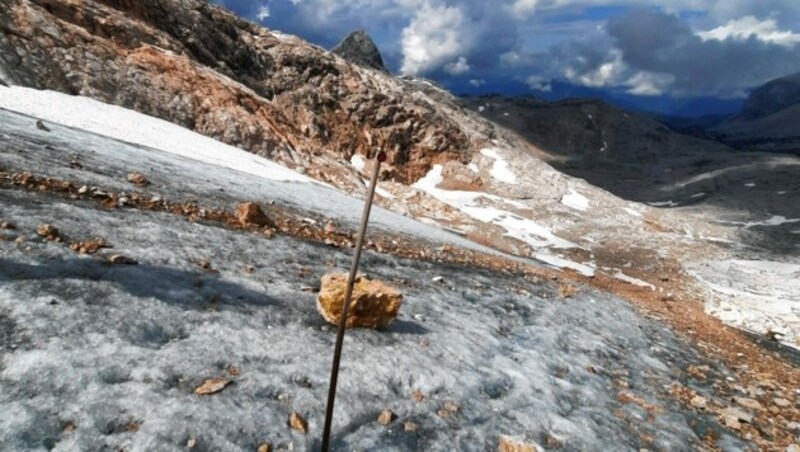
x=749, y=26
x=263, y=13
x=432, y=38
x=477, y=83
x=538, y=83
x=458, y=67
x=525, y=6
x=608, y=73
x=649, y=83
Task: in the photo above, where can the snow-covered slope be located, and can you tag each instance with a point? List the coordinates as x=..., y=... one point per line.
x=97, y=356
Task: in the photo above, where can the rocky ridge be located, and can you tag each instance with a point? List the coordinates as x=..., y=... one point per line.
x=359, y=48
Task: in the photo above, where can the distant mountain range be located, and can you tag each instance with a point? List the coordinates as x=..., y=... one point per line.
x=691, y=107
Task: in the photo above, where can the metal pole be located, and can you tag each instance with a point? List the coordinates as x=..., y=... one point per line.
x=337, y=351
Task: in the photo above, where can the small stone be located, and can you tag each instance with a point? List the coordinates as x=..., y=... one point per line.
x=192, y=443
x=122, y=260
x=782, y=403
x=249, y=269
x=212, y=386
x=6, y=225
x=137, y=178
x=410, y=426
x=251, y=214
x=264, y=447
x=699, y=402
x=438, y=279
x=733, y=417
x=512, y=445
x=296, y=422
x=21, y=239
x=48, y=232
x=330, y=227
x=417, y=396
x=40, y=125
x=373, y=304
x=122, y=202
x=748, y=403
x=283, y=397
x=83, y=190
x=386, y=417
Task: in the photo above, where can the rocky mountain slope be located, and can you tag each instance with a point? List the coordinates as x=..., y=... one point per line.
x=98, y=352
x=483, y=181
x=769, y=119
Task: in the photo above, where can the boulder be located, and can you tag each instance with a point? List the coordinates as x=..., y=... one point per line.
x=373, y=304
x=251, y=214
x=507, y=444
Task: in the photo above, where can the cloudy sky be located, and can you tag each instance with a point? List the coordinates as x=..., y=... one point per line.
x=675, y=48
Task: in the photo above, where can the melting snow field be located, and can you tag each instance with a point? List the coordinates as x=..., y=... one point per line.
x=758, y=296
x=528, y=231
x=95, y=356
x=500, y=170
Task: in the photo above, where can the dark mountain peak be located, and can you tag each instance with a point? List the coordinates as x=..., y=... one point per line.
x=772, y=97
x=358, y=48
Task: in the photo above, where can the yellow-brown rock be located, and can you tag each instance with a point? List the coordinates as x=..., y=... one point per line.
x=373, y=304
x=251, y=214
x=511, y=445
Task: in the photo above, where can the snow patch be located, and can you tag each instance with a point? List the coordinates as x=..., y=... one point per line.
x=133, y=127
x=632, y=212
x=575, y=200
x=754, y=295
x=358, y=162
x=384, y=193
x=517, y=227
x=631, y=280
x=663, y=204
x=500, y=170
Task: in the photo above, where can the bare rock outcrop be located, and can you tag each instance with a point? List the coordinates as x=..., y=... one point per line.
x=373, y=304
x=196, y=64
x=358, y=48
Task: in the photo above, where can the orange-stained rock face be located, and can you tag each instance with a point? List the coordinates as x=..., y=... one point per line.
x=373, y=304
x=200, y=66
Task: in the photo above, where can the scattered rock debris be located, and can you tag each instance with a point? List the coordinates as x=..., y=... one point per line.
x=297, y=422
x=386, y=417
x=91, y=246
x=251, y=214
x=264, y=447
x=212, y=386
x=48, y=232
x=507, y=444
x=137, y=178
